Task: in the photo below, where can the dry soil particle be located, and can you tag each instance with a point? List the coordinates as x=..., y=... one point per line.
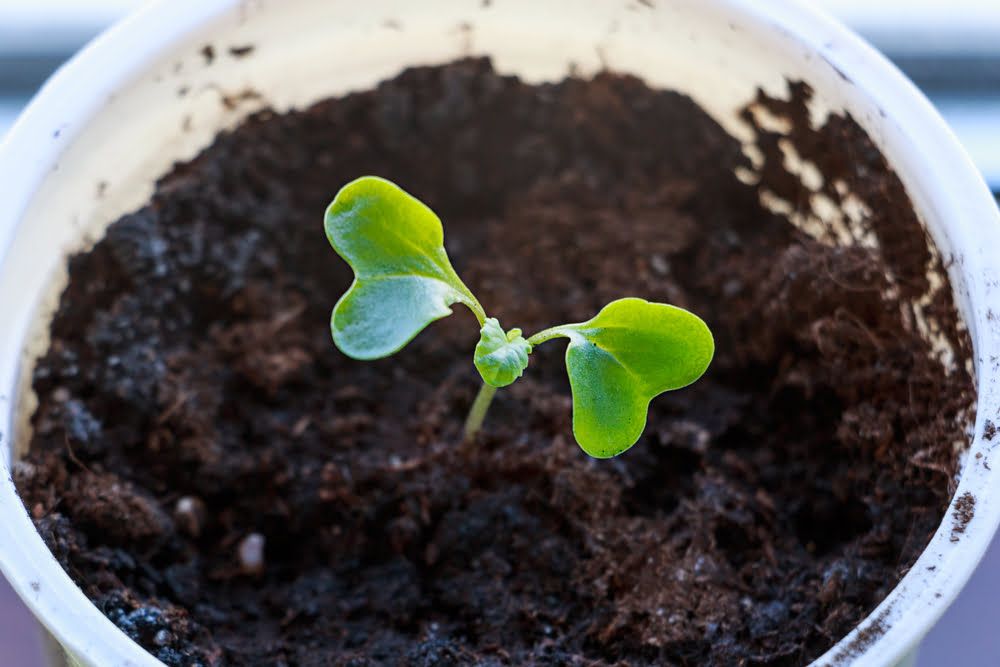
x=866, y=637
x=241, y=51
x=766, y=510
x=964, y=510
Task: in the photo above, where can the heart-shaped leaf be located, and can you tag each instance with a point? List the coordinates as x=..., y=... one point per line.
x=403, y=279
x=500, y=357
x=618, y=361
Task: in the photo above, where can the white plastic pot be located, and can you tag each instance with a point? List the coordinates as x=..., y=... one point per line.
x=144, y=95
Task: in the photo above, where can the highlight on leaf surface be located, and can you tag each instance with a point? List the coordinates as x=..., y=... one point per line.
x=403, y=279
x=500, y=357
x=619, y=360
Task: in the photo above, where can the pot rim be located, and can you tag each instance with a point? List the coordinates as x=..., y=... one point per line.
x=950, y=188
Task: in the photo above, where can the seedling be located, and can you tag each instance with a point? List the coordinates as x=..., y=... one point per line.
x=618, y=361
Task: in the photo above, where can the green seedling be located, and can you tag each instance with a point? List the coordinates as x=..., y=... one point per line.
x=617, y=361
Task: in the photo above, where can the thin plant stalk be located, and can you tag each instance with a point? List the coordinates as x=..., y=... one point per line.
x=477, y=413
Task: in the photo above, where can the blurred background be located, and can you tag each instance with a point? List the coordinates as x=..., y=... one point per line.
x=950, y=48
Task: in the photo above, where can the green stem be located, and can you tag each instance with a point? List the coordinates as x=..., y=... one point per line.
x=477, y=413
x=476, y=308
x=547, y=334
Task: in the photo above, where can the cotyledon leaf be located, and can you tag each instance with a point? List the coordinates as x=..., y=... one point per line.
x=500, y=357
x=403, y=279
x=618, y=361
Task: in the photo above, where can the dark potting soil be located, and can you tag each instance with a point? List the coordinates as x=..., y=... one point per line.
x=230, y=490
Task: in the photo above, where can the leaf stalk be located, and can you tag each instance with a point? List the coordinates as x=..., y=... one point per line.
x=477, y=413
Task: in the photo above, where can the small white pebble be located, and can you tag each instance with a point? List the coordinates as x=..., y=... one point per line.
x=23, y=470
x=659, y=264
x=251, y=554
x=189, y=515
x=161, y=638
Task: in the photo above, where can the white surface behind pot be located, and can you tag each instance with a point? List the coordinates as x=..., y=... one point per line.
x=115, y=116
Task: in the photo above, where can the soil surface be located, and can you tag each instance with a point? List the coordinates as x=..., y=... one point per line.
x=231, y=490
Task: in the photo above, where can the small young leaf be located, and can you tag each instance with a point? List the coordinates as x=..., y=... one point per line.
x=501, y=357
x=403, y=279
x=618, y=361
